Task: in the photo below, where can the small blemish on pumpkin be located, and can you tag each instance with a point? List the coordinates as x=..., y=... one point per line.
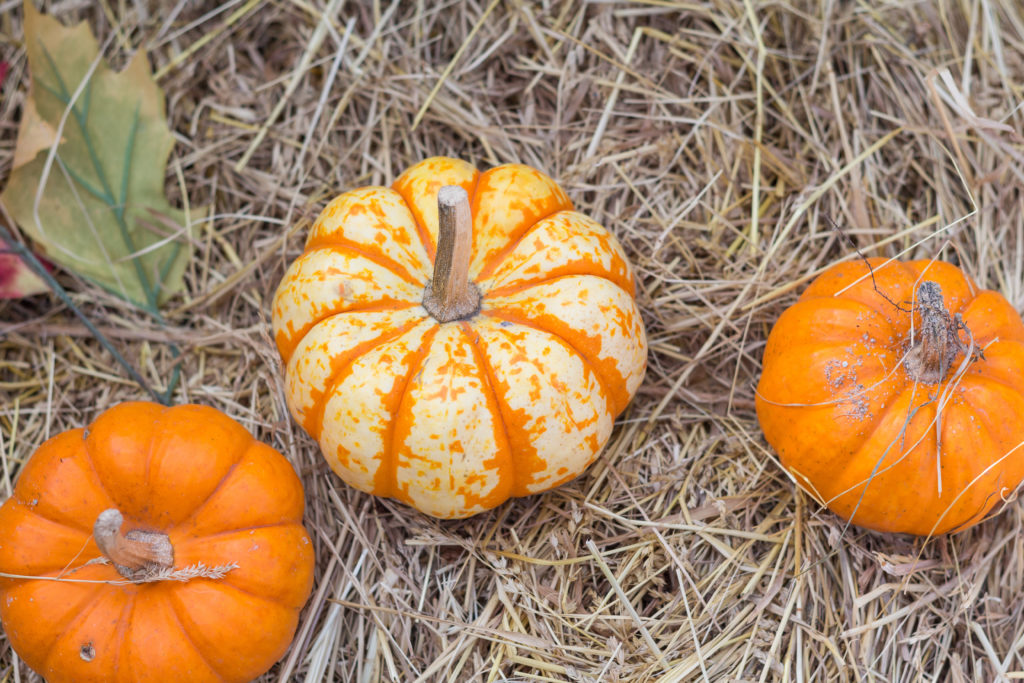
x=87, y=652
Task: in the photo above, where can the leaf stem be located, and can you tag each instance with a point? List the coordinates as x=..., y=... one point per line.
x=41, y=271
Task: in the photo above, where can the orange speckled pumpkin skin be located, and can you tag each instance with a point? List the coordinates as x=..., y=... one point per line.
x=454, y=418
x=838, y=352
x=221, y=497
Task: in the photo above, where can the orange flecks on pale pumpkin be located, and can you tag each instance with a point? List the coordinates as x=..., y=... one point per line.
x=331, y=346
x=554, y=409
x=591, y=315
x=419, y=186
x=567, y=243
x=448, y=433
x=221, y=497
x=366, y=402
x=329, y=280
x=508, y=201
x=454, y=418
x=376, y=222
x=838, y=404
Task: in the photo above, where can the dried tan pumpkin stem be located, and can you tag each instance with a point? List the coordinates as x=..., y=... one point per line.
x=938, y=342
x=137, y=555
x=450, y=295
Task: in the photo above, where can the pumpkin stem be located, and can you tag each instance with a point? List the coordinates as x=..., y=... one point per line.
x=449, y=294
x=136, y=554
x=938, y=345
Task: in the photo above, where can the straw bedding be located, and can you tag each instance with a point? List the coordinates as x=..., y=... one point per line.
x=717, y=140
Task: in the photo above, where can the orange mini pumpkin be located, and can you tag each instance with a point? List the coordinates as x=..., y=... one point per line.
x=207, y=563
x=452, y=362
x=898, y=400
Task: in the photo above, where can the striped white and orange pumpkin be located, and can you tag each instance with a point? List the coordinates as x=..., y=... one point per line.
x=454, y=417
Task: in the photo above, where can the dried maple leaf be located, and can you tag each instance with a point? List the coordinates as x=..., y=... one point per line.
x=88, y=175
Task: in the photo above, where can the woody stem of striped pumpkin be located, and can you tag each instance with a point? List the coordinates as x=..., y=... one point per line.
x=450, y=295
